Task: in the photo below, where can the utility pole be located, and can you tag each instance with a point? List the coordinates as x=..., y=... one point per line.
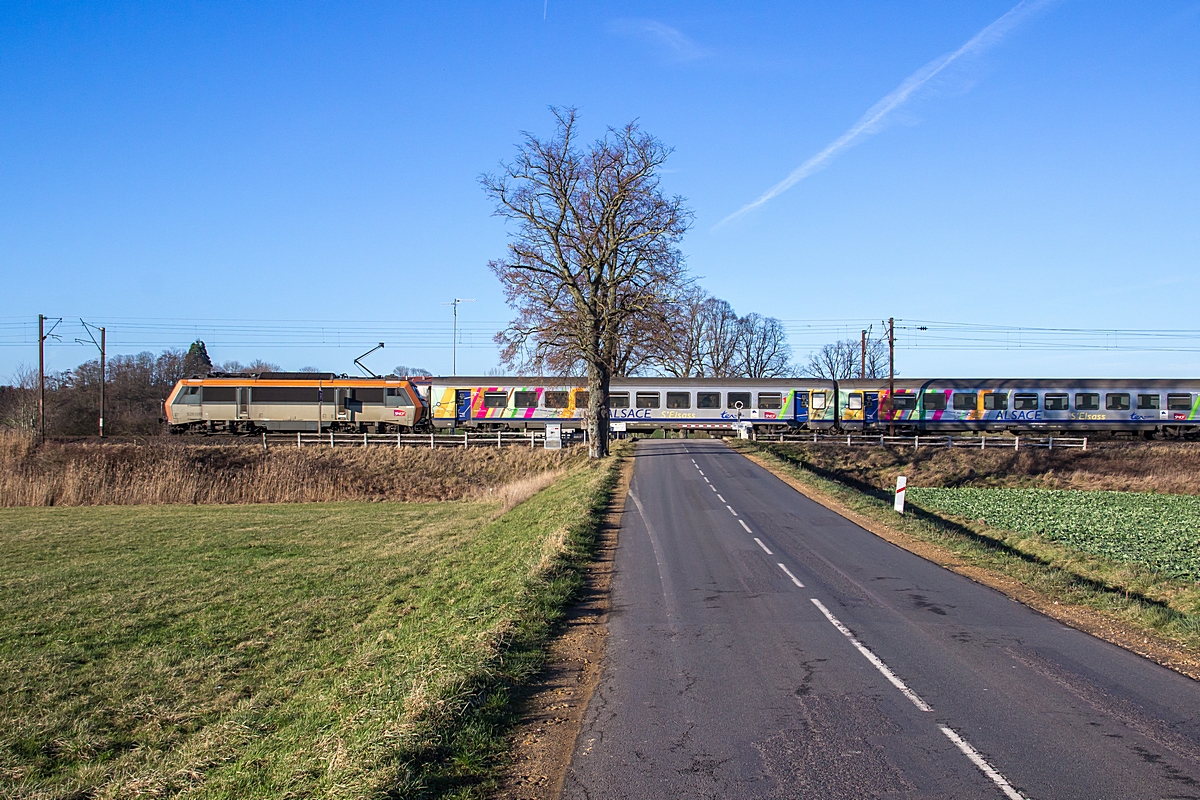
x=454, y=339
x=891, y=376
x=88, y=329
x=43, y=335
x=42, y=378
x=862, y=365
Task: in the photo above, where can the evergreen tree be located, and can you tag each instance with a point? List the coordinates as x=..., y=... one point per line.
x=197, y=362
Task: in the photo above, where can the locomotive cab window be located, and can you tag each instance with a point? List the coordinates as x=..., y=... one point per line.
x=525, y=399
x=737, y=400
x=618, y=399
x=1179, y=402
x=935, y=401
x=1025, y=402
x=648, y=399
x=995, y=401
x=495, y=399
x=1087, y=401
x=965, y=401
x=708, y=399
x=770, y=400
x=1148, y=402
x=397, y=397
x=557, y=399
x=904, y=402
x=818, y=401
x=679, y=400
x=1056, y=402
x=854, y=403
x=189, y=396
x=1116, y=401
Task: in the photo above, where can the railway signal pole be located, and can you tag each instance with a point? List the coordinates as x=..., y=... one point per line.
x=454, y=339
x=43, y=335
x=862, y=365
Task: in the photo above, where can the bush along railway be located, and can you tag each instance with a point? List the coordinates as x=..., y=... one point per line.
x=317, y=402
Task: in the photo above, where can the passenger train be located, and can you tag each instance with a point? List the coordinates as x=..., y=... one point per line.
x=277, y=401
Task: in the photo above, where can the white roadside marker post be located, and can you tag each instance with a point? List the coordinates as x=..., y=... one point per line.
x=901, y=484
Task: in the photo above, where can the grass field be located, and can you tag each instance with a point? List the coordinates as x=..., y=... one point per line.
x=1157, y=531
x=329, y=650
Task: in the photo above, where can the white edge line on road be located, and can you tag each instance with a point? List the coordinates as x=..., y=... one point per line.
x=874, y=659
x=795, y=580
x=766, y=549
x=722, y=499
x=731, y=511
x=984, y=766
x=742, y=522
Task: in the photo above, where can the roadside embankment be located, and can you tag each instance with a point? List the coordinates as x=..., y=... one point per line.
x=1114, y=594
x=173, y=472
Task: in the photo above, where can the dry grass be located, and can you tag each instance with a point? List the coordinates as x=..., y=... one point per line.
x=171, y=472
x=1168, y=467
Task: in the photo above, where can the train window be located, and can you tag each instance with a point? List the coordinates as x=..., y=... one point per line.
x=965, y=401
x=525, y=399
x=737, y=400
x=995, y=401
x=708, y=399
x=495, y=399
x=581, y=398
x=1087, y=401
x=801, y=399
x=818, y=400
x=618, y=399
x=1025, y=402
x=220, y=394
x=1117, y=401
x=557, y=399
x=935, y=401
x=1147, y=402
x=904, y=402
x=1056, y=402
x=1175, y=402
x=679, y=399
x=855, y=402
x=770, y=400
x=397, y=397
x=189, y=396
x=648, y=399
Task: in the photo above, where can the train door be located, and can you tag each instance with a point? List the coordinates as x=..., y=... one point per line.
x=462, y=405
x=801, y=402
x=870, y=408
x=243, y=402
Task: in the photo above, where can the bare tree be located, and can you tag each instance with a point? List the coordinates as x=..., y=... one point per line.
x=594, y=256
x=763, y=349
x=843, y=359
x=722, y=340
x=19, y=401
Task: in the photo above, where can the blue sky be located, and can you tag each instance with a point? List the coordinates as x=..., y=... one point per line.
x=273, y=176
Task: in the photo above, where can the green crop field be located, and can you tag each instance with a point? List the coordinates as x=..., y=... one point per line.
x=267, y=651
x=1157, y=531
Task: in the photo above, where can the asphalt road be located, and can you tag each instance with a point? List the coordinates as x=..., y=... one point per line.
x=762, y=646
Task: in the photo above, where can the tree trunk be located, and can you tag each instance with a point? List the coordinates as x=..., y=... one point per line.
x=597, y=416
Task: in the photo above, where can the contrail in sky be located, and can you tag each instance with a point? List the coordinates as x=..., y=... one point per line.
x=873, y=120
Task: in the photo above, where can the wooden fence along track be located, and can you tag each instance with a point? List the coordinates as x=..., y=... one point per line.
x=917, y=442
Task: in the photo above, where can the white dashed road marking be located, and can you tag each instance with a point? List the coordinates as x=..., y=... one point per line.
x=766, y=549
x=722, y=499
x=731, y=511
x=744, y=525
x=795, y=580
x=984, y=767
x=874, y=659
